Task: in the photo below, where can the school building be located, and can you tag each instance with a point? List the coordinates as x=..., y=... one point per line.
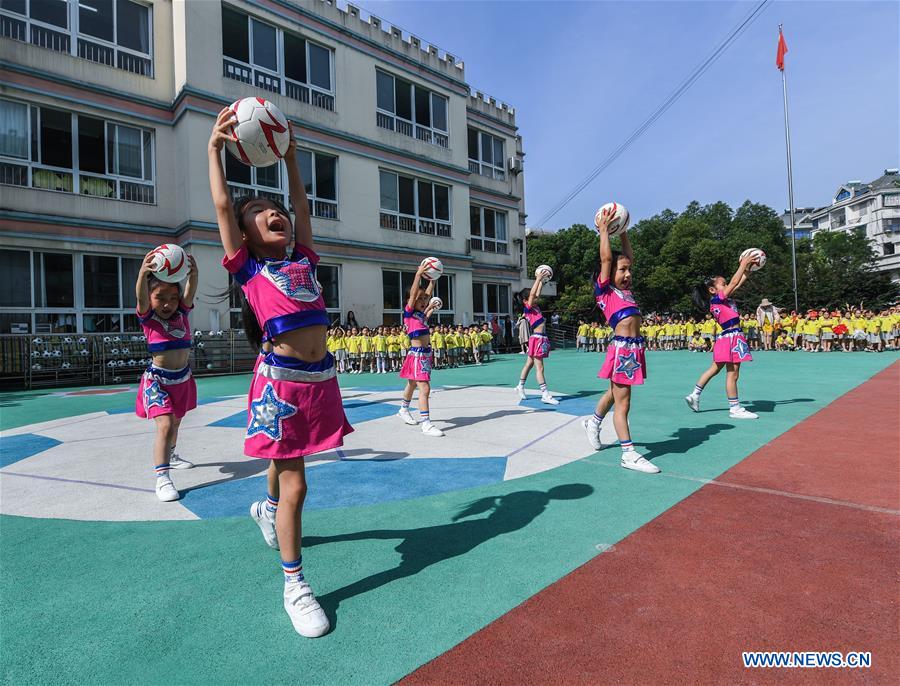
x=106, y=107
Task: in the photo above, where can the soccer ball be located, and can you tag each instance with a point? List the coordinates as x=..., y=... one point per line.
x=261, y=135
x=758, y=254
x=619, y=222
x=433, y=268
x=544, y=272
x=170, y=264
x=435, y=303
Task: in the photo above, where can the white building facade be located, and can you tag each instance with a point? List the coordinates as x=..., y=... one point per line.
x=105, y=111
x=871, y=209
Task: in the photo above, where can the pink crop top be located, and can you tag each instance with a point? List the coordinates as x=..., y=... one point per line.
x=282, y=293
x=533, y=316
x=166, y=334
x=615, y=305
x=414, y=322
x=724, y=310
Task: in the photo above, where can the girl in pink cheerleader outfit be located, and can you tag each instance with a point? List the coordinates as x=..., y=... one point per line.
x=730, y=349
x=625, y=365
x=295, y=405
x=538, y=345
x=417, y=364
x=167, y=390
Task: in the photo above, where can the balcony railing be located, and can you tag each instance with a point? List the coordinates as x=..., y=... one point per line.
x=325, y=209
x=68, y=181
x=412, y=224
x=391, y=122
x=309, y=95
x=486, y=170
x=12, y=28
x=274, y=83
x=489, y=245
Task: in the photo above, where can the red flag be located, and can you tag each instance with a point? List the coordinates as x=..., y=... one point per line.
x=782, y=50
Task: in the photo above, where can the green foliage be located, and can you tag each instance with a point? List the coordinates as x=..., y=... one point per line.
x=674, y=252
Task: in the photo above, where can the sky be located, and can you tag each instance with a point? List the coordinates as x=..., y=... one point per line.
x=583, y=75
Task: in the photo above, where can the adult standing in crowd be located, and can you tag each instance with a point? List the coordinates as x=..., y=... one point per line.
x=767, y=315
x=524, y=333
x=507, y=333
x=351, y=320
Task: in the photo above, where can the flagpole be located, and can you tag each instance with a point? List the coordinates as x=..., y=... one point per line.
x=787, y=140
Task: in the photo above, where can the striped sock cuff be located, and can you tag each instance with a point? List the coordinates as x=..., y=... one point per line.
x=293, y=571
x=404, y=404
x=698, y=390
x=626, y=445
x=424, y=414
x=733, y=402
x=522, y=381
x=162, y=469
x=598, y=418
x=543, y=388
x=271, y=503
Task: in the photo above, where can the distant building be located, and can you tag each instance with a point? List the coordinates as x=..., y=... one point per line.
x=802, y=222
x=870, y=209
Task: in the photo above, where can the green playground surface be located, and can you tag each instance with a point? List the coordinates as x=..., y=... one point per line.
x=404, y=581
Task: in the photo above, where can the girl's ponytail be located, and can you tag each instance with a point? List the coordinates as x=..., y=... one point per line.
x=700, y=294
x=252, y=330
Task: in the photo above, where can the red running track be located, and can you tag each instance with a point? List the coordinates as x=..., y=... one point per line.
x=795, y=548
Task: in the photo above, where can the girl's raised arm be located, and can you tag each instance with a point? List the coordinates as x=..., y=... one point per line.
x=297, y=192
x=228, y=227
x=740, y=276
x=415, y=288
x=141, y=289
x=606, y=265
x=190, y=290
x=535, y=292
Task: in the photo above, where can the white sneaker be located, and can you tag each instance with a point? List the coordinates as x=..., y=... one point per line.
x=593, y=434
x=742, y=413
x=306, y=614
x=406, y=416
x=166, y=491
x=693, y=402
x=266, y=523
x=176, y=462
x=520, y=389
x=637, y=462
x=549, y=399
x=430, y=429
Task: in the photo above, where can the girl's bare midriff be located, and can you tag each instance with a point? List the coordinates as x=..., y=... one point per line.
x=306, y=344
x=172, y=359
x=630, y=327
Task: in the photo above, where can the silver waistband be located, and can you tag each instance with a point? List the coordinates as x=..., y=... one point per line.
x=299, y=375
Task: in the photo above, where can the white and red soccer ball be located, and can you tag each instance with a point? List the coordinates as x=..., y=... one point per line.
x=433, y=268
x=435, y=303
x=261, y=135
x=544, y=272
x=620, y=218
x=758, y=255
x=170, y=263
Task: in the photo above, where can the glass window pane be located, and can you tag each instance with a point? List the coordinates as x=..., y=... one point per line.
x=101, y=281
x=478, y=298
x=492, y=297
x=474, y=220
x=406, y=280
x=328, y=277
x=390, y=287
x=148, y=155
x=15, y=279
x=438, y=112
x=236, y=171
x=13, y=129
x=388, y=184
x=407, y=200
x=130, y=323
x=133, y=26
x=130, y=269
x=426, y=201
x=17, y=6
x=269, y=176
x=446, y=284
x=403, y=98
x=489, y=224
x=58, y=289
x=15, y=323
x=384, y=84
x=235, y=39
x=91, y=145
x=294, y=57
x=55, y=12
x=304, y=161
x=442, y=202
x=95, y=18
x=101, y=322
x=473, y=144
x=56, y=138
x=54, y=323
x=326, y=187
x=423, y=107
x=500, y=225
x=487, y=148
x=264, y=54
x=319, y=66
x=498, y=152
x=503, y=295
x=130, y=146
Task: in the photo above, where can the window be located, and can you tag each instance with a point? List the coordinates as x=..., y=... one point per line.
x=54, y=150
x=395, y=288
x=54, y=280
x=15, y=279
x=892, y=200
x=319, y=174
x=263, y=55
x=486, y=155
x=329, y=276
x=117, y=33
x=101, y=281
x=488, y=230
x=490, y=299
x=410, y=109
x=839, y=218
x=260, y=182
x=887, y=248
x=414, y=205
x=843, y=195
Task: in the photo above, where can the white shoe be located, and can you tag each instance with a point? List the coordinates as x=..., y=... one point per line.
x=306, y=614
x=637, y=462
x=549, y=399
x=266, y=523
x=406, y=416
x=520, y=389
x=693, y=402
x=742, y=413
x=430, y=429
x=166, y=491
x=176, y=462
x=593, y=435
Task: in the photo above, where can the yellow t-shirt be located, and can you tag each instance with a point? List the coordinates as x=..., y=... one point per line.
x=366, y=344
x=393, y=343
x=339, y=343
x=353, y=344
x=437, y=341
x=380, y=344
x=689, y=329
x=486, y=337
x=583, y=330
x=873, y=325
x=813, y=327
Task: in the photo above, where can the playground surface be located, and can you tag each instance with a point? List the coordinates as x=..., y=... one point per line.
x=507, y=552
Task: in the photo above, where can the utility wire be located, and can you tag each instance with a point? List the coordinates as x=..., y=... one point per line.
x=673, y=97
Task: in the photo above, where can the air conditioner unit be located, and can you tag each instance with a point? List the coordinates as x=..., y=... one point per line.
x=515, y=165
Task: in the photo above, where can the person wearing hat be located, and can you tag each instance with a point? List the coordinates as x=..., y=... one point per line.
x=767, y=316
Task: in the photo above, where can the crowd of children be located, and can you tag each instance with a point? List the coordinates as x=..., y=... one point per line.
x=382, y=349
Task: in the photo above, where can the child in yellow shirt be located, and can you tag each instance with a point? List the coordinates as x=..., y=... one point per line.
x=381, y=358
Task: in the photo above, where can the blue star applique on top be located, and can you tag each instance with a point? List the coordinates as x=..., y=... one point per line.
x=154, y=395
x=627, y=365
x=267, y=412
x=741, y=349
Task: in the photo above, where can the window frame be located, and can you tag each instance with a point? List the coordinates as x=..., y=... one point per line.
x=490, y=170
x=323, y=208
x=483, y=286
x=391, y=121
x=395, y=220
x=478, y=241
x=445, y=315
